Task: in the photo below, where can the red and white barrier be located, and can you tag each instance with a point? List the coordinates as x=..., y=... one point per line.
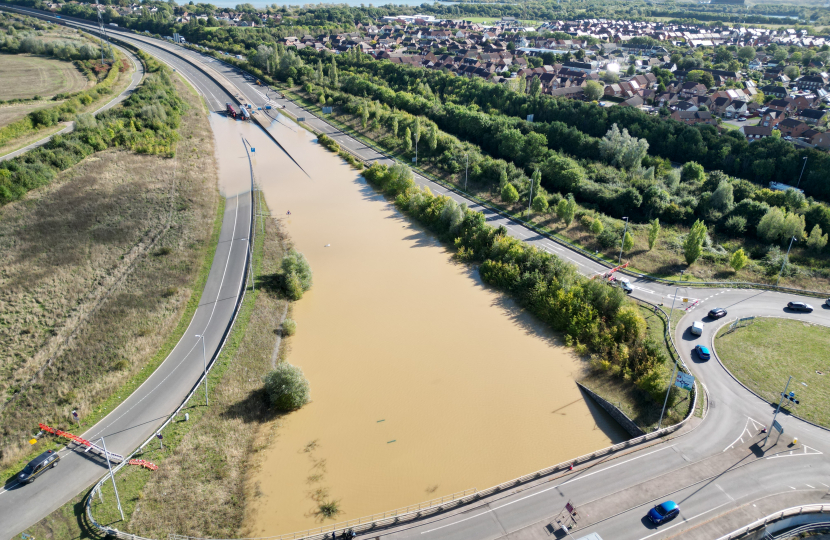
x=81, y=442
x=143, y=463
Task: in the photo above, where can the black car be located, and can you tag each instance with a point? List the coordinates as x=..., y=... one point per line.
x=800, y=306
x=717, y=313
x=38, y=466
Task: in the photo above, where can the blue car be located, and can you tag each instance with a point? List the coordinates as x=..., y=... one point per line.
x=702, y=352
x=663, y=512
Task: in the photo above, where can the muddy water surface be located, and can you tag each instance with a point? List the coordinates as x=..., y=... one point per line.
x=424, y=381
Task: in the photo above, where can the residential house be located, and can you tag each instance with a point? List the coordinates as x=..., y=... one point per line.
x=696, y=117
x=776, y=91
x=754, y=133
x=782, y=105
x=813, y=116
x=817, y=138
x=811, y=82
x=736, y=109
x=691, y=88
x=792, y=127
x=771, y=118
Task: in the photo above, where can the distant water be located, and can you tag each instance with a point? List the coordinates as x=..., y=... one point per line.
x=355, y=3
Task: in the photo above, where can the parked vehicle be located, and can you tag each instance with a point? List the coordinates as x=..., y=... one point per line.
x=245, y=114
x=800, y=306
x=697, y=328
x=231, y=110
x=38, y=466
x=663, y=512
x=717, y=313
x=703, y=352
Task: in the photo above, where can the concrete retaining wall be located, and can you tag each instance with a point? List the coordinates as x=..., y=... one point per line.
x=623, y=420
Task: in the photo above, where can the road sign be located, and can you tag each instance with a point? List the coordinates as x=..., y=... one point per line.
x=685, y=299
x=326, y=110
x=253, y=149
x=530, y=118
x=777, y=426
x=685, y=381
x=414, y=160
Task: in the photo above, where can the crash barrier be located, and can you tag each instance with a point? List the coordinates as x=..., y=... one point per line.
x=82, y=442
x=143, y=463
x=804, y=518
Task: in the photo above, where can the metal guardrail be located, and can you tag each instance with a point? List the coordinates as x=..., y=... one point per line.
x=777, y=516
x=822, y=525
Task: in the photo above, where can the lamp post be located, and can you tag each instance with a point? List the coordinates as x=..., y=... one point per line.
x=622, y=244
x=671, y=312
x=466, y=168
x=786, y=258
x=784, y=393
x=530, y=197
x=204, y=359
x=802, y=172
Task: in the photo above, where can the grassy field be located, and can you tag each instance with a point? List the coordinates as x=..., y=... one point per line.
x=26, y=76
x=11, y=113
x=766, y=353
x=197, y=458
x=98, y=270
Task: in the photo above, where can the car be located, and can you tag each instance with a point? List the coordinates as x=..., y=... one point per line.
x=625, y=285
x=741, y=119
x=702, y=352
x=663, y=512
x=38, y=466
x=800, y=306
x=697, y=328
x=828, y=302
x=717, y=313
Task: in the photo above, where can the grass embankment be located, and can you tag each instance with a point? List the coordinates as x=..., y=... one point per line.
x=665, y=260
x=766, y=353
x=638, y=405
x=102, y=271
x=206, y=460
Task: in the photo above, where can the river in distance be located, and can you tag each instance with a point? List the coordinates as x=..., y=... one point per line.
x=351, y=3
x=424, y=381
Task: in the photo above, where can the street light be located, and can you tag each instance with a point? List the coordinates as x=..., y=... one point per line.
x=622, y=244
x=204, y=359
x=802, y=172
x=784, y=393
x=786, y=258
x=466, y=167
x=671, y=312
x=530, y=197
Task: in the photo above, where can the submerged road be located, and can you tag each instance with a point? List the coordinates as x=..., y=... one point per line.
x=717, y=472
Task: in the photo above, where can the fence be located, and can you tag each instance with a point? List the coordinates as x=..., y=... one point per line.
x=790, y=514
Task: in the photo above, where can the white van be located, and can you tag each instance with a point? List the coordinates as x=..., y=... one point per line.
x=697, y=328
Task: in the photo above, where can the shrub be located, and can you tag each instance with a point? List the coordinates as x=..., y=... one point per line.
x=289, y=327
x=735, y=225
x=296, y=274
x=608, y=238
x=287, y=387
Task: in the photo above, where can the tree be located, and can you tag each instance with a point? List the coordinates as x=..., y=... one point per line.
x=746, y=53
x=793, y=72
x=535, y=87
x=596, y=227
x=621, y=149
x=593, y=91
x=816, y=241
x=655, y=199
x=509, y=194
x=631, y=70
x=628, y=241
x=779, y=55
x=394, y=126
x=296, y=274
x=693, y=246
x=566, y=209
x=540, y=204
x=692, y=173
x=653, y=233
x=738, y=260
x=771, y=225
x=287, y=387
x=723, y=198
x=407, y=140
x=416, y=131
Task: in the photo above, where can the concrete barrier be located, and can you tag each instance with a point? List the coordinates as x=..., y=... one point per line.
x=621, y=418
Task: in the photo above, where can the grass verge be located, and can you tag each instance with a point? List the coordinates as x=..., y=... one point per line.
x=766, y=353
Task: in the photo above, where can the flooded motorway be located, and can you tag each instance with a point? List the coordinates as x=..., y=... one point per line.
x=424, y=381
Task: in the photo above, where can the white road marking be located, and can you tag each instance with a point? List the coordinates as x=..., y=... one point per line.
x=544, y=490
x=809, y=486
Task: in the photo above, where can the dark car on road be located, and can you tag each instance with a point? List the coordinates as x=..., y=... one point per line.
x=663, y=512
x=38, y=466
x=800, y=306
x=702, y=352
x=717, y=313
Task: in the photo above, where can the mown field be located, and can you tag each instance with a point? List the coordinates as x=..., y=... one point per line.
x=26, y=76
x=766, y=353
x=97, y=271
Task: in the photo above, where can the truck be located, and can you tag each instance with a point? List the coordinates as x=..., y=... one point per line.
x=231, y=110
x=245, y=114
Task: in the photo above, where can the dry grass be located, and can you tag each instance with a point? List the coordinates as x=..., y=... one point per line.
x=12, y=113
x=26, y=76
x=83, y=278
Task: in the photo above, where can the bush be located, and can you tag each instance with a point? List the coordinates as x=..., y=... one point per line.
x=296, y=274
x=289, y=327
x=287, y=387
x=608, y=238
x=735, y=225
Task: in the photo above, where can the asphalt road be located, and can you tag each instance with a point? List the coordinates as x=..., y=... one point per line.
x=138, y=75
x=716, y=472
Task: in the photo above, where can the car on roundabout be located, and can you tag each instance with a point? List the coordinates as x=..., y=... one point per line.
x=717, y=313
x=800, y=306
x=703, y=352
x=663, y=512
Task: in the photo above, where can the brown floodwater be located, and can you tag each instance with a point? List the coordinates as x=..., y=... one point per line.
x=424, y=381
